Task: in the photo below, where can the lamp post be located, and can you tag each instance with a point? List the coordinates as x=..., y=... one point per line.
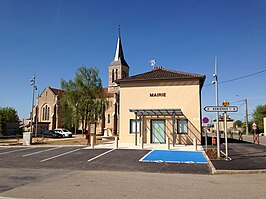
x=215, y=75
x=36, y=117
x=32, y=82
x=246, y=102
x=246, y=112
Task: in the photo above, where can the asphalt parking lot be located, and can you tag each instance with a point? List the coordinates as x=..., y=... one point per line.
x=80, y=158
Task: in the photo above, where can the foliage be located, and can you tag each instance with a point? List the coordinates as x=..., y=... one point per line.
x=258, y=115
x=249, y=126
x=67, y=114
x=7, y=115
x=83, y=99
x=237, y=123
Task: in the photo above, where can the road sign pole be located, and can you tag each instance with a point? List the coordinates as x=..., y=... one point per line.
x=218, y=109
x=225, y=133
x=206, y=139
x=205, y=120
x=217, y=104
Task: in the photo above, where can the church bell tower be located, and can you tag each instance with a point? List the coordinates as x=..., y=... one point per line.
x=118, y=69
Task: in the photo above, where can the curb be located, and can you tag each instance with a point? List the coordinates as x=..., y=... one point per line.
x=259, y=171
x=213, y=170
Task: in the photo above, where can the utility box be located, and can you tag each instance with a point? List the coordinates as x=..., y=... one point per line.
x=27, y=138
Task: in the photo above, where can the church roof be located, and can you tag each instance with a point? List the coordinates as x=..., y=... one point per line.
x=159, y=73
x=108, y=94
x=58, y=92
x=119, y=55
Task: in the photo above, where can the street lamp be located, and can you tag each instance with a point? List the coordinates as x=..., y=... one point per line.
x=215, y=75
x=246, y=112
x=32, y=82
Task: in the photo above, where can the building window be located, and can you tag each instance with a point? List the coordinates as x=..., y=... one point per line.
x=182, y=126
x=113, y=75
x=116, y=74
x=133, y=126
x=108, y=119
x=45, y=113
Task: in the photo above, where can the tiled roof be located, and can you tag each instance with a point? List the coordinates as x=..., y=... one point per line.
x=162, y=74
x=105, y=90
x=57, y=91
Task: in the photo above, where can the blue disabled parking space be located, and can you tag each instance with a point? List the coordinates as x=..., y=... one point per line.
x=175, y=157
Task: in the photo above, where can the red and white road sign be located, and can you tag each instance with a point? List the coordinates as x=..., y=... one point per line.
x=205, y=120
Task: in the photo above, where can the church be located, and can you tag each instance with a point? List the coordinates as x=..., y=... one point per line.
x=159, y=106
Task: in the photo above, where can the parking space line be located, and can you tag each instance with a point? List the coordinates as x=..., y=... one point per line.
x=41, y=151
x=101, y=155
x=60, y=155
x=2, y=148
x=141, y=159
x=17, y=150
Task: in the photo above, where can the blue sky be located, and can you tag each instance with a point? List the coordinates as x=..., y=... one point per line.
x=51, y=38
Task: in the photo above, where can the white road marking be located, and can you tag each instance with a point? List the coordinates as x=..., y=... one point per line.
x=2, y=148
x=41, y=151
x=60, y=155
x=101, y=155
x=141, y=159
x=16, y=150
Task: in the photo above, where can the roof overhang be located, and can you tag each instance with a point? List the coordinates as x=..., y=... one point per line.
x=157, y=112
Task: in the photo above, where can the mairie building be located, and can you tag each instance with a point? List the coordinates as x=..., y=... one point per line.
x=159, y=106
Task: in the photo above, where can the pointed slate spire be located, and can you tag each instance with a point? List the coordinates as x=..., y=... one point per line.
x=119, y=55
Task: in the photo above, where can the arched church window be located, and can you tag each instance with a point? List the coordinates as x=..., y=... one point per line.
x=113, y=75
x=116, y=74
x=45, y=112
x=108, y=118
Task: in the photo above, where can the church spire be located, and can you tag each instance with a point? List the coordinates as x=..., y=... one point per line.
x=118, y=69
x=119, y=55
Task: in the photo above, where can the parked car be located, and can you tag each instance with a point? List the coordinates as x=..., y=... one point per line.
x=52, y=134
x=64, y=132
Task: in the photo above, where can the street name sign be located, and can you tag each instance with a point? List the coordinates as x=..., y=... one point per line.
x=221, y=108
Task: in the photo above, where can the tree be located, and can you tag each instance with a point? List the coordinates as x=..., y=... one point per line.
x=69, y=103
x=249, y=126
x=237, y=123
x=67, y=114
x=84, y=97
x=7, y=115
x=258, y=115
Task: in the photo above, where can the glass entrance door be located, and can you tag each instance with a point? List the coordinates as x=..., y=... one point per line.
x=158, y=131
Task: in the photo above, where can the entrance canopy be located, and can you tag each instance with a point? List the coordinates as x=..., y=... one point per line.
x=157, y=112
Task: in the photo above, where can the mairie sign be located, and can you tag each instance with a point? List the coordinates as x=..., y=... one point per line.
x=221, y=108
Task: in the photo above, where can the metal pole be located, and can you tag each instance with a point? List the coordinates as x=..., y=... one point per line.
x=136, y=126
x=33, y=88
x=142, y=131
x=140, y=126
x=225, y=134
x=206, y=139
x=217, y=114
x=75, y=116
x=174, y=135
x=246, y=101
x=36, y=112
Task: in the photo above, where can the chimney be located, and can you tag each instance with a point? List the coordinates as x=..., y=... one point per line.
x=157, y=67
